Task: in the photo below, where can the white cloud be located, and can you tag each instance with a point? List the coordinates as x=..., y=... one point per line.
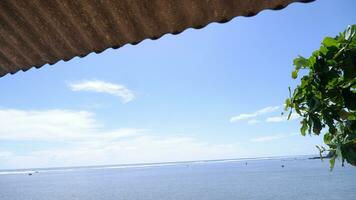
x=104, y=87
x=81, y=140
x=55, y=125
x=272, y=137
x=253, y=121
x=257, y=113
x=282, y=118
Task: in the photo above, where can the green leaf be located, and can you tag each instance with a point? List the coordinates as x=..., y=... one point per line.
x=327, y=138
x=295, y=74
x=352, y=117
x=349, y=98
x=332, y=163
x=303, y=129
x=328, y=42
x=316, y=124
x=343, y=114
x=287, y=104
x=310, y=125
x=300, y=62
x=326, y=95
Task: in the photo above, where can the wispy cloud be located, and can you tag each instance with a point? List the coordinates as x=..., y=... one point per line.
x=272, y=137
x=257, y=113
x=80, y=139
x=5, y=154
x=104, y=87
x=282, y=118
x=253, y=121
x=55, y=125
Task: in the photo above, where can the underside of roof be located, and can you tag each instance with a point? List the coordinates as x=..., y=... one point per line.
x=36, y=32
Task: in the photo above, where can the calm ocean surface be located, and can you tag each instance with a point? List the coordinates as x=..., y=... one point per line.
x=258, y=180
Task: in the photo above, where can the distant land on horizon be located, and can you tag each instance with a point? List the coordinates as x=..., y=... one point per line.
x=128, y=165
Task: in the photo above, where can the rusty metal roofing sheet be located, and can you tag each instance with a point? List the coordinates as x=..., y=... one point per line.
x=37, y=32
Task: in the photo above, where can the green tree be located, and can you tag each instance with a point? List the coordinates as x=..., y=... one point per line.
x=326, y=95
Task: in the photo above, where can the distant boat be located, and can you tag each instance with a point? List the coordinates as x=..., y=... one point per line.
x=282, y=166
x=30, y=174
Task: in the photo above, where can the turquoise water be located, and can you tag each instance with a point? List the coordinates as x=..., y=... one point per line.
x=258, y=180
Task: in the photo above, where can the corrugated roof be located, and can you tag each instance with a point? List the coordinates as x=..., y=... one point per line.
x=37, y=32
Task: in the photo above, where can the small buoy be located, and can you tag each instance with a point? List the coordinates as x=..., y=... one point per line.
x=282, y=166
x=246, y=163
x=30, y=174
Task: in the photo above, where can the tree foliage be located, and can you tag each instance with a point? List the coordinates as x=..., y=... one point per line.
x=326, y=96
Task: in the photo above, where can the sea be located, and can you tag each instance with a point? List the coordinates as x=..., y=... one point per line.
x=284, y=178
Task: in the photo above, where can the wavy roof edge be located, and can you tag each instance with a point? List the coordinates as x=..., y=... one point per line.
x=46, y=33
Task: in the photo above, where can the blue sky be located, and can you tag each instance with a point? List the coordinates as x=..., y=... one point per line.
x=211, y=93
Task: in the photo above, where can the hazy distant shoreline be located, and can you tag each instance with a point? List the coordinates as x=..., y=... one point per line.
x=139, y=165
